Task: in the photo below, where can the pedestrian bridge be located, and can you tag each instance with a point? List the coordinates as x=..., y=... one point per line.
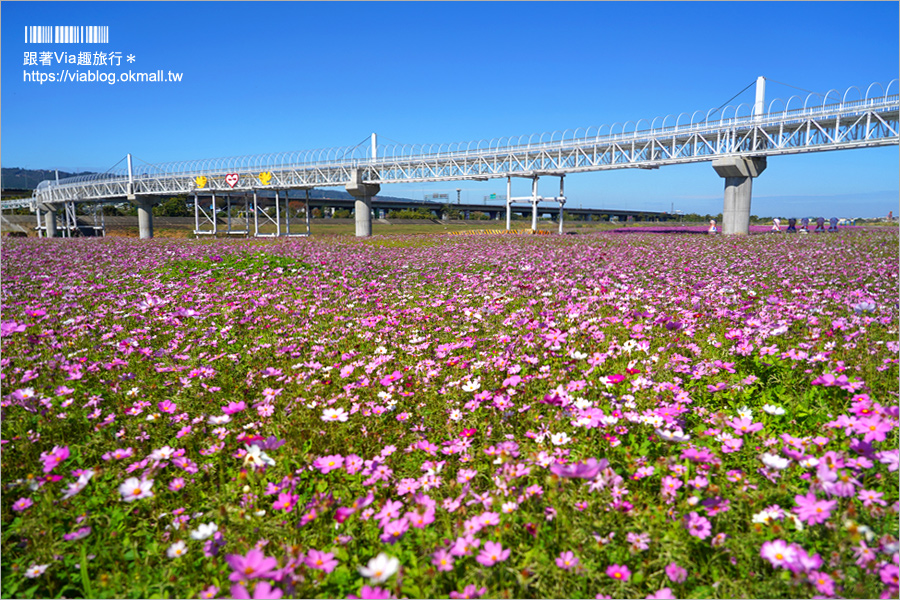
x=737, y=139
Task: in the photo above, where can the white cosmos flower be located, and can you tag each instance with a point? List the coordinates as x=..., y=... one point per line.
x=745, y=413
x=583, y=403
x=204, y=531
x=653, y=420
x=335, y=414
x=219, y=419
x=472, y=386
x=35, y=570
x=764, y=516
x=455, y=415
x=177, y=549
x=676, y=435
x=560, y=439
x=380, y=568
x=79, y=485
x=773, y=461
x=809, y=462
x=579, y=355
x=135, y=489
x=257, y=457
x=772, y=409
x=164, y=453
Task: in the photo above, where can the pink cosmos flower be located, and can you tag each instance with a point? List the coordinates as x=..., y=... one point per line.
x=492, y=553
x=463, y=546
x=619, y=572
x=394, y=530
x=53, y=458
x=443, y=560
x=326, y=464
x=390, y=379
x=390, y=510
x=567, y=560
x=77, y=534
x=778, y=552
x=823, y=582
x=697, y=525
x=285, y=502
x=234, y=407
x=870, y=497
x=262, y=591
x=136, y=489
x=732, y=445
x=588, y=469
x=676, y=573
x=470, y=591
x=254, y=565
x=812, y=510
x=323, y=561
x=371, y=593
x=21, y=504
x=890, y=576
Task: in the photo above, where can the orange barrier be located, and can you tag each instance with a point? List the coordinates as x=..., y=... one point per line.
x=500, y=232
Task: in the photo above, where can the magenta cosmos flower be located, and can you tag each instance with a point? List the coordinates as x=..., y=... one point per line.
x=252, y=566
x=619, y=572
x=262, y=591
x=581, y=470
x=371, y=593
x=54, y=457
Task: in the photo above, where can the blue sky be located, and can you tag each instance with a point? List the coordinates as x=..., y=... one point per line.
x=264, y=77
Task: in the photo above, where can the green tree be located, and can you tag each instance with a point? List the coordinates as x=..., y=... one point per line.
x=176, y=206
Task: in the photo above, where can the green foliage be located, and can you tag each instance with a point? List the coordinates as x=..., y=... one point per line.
x=176, y=206
x=406, y=213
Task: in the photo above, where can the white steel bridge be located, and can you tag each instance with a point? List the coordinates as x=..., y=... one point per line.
x=839, y=120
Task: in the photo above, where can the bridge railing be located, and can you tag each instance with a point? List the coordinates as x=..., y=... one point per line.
x=714, y=121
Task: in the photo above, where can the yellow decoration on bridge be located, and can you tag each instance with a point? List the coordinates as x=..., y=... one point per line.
x=265, y=177
x=201, y=182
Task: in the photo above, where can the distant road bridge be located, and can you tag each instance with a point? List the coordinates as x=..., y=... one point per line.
x=737, y=139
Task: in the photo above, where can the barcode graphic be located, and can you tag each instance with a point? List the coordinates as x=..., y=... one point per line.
x=67, y=34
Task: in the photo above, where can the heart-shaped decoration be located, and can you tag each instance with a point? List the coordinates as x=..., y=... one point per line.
x=265, y=177
x=201, y=182
x=231, y=179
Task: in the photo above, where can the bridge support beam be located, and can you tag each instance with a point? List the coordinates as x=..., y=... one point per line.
x=534, y=203
x=363, y=193
x=738, y=173
x=508, y=202
x=562, y=202
x=49, y=213
x=145, y=217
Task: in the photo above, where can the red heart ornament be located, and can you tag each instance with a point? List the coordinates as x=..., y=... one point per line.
x=231, y=179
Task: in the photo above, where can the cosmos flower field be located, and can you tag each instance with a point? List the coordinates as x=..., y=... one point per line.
x=581, y=416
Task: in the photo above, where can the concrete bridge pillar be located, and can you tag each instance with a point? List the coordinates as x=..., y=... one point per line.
x=145, y=216
x=363, y=193
x=49, y=213
x=738, y=173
